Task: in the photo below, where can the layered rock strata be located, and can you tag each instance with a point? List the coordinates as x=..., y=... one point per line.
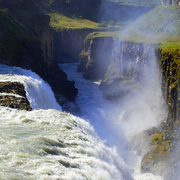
x=13, y=95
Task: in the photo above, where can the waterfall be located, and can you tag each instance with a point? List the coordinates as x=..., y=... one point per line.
x=118, y=124
x=38, y=91
x=46, y=143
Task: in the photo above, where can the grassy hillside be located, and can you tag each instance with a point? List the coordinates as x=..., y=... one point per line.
x=160, y=19
x=160, y=25
x=137, y=2
x=60, y=21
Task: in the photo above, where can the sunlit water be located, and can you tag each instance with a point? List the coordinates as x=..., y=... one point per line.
x=47, y=144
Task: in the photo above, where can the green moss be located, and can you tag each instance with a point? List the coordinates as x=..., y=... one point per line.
x=60, y=21
x=157, y=138
x=84, y=54
x=170, y=60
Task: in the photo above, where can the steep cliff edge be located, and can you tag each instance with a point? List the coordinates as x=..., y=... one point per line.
x=127, y=68
x=95, y=57
x=27, y=41
x=164, y=143
x=68, y=44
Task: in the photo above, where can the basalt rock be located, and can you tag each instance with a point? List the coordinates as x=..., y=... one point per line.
x=170, y=2
x=95, y=57
x=18, y=100
x=68, y=44
x=127, y=68
x=162, y=158
x=59, y=84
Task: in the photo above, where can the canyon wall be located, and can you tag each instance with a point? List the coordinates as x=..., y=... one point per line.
x=128, y=67
x=95, y=57
x=68, y=44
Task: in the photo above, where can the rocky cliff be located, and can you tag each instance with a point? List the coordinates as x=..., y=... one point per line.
x=128, y=67
x=95, y=57
x=170, y=2
x=27, y=41
x=68, y=44
x=162, y=156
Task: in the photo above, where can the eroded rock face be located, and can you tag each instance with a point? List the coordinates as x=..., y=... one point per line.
x=127, y=68
x=68, y=44
x=95, y=57
x=59, y=83
x=18, y=100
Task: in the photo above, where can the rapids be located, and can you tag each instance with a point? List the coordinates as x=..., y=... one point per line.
x=48, y=144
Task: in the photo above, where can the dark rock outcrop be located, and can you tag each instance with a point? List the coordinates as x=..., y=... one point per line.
x=13, y=101
x=58, y=81
x=68, y=44
x=95, y=57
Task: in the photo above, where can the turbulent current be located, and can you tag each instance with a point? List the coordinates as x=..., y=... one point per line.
x=47, y=144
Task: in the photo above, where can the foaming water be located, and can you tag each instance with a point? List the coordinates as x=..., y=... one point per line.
x=38, y=91
x=119, y=123
x=50, y=144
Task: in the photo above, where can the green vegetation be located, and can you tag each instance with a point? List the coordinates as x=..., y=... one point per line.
x=60, y=21
x=160, y=19
x=170, y=60
x=137, y=2
x=160, y=25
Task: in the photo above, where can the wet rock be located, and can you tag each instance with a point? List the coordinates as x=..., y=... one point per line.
x=19, y=103
x=18, y=100
x=12, y=87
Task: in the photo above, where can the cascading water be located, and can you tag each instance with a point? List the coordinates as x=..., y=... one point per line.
x=38, y=92
x=119, y=123
x=48, y=144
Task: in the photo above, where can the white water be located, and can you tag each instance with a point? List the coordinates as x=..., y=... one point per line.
x=47, y=144
x=119, y=123
x=38, y=92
